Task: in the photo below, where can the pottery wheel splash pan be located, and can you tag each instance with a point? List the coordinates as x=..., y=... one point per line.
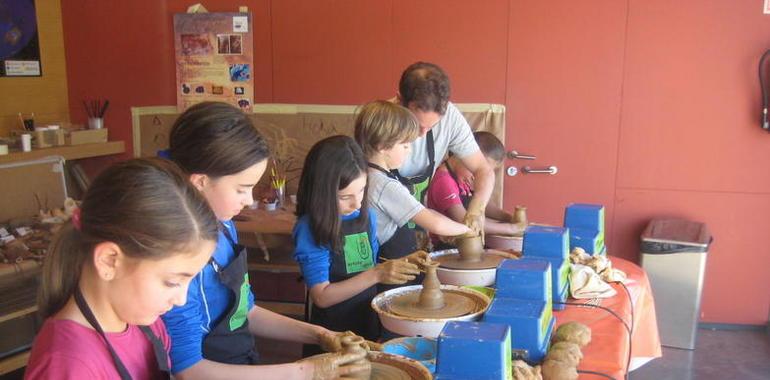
x=488, y=260
x=430, y=325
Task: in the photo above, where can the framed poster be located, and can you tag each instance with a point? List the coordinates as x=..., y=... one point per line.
x=214, y=59
x=19, y=45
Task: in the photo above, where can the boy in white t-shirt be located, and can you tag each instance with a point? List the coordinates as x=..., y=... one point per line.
x=385, y=131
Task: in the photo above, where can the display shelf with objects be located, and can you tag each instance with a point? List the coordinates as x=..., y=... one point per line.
x=73, y=152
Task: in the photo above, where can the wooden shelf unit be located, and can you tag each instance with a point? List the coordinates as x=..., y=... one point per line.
x=69, y=152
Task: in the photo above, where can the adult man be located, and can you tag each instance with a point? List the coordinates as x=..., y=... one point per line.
x=424, y=89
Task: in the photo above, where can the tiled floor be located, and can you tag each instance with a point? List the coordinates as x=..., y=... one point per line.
x=719, y=355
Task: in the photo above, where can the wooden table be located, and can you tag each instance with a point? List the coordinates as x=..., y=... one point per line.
x=254, y=224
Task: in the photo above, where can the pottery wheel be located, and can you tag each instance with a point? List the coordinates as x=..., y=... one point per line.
x=382, y=371
x=454, y=261
x=456, y=304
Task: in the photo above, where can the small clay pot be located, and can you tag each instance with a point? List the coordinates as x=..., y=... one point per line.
x=431, y=297
x=520, y=215
x=470, y=248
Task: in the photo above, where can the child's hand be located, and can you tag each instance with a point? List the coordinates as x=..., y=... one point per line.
x=396, y=272
x=417, y=257
x=337, y=365
x=331, y=341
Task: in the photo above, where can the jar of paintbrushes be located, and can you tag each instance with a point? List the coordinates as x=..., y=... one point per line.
x=95, y=110
x=278, y=183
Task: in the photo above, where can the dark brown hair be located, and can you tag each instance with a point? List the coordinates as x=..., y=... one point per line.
x=381, y=125
x=490, y=145
x=331, y=165
x=215, y=139
x=146, y=206
x=425, y=86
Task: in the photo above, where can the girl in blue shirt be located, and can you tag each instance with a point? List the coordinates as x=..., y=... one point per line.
x=212, y=334
x=335, y=240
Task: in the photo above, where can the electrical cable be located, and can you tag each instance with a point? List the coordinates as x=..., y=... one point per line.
x=604, y=375
x=631, y=334
x=629, y=329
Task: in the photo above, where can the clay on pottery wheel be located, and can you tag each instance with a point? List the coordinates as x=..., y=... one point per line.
x=470, y=248
x=431, y=297
x=520, y=215
x=433, y=302
x=352, y=345
x=390, y=367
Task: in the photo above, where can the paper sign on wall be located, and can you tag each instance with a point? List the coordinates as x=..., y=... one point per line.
x=214, y=59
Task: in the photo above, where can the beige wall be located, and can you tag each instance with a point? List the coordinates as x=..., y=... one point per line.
x=46, y=96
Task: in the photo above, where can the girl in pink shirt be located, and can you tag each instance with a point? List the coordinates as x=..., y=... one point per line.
x=142, y=232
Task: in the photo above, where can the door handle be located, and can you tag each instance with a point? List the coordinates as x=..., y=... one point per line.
x=513, y=155
x=549, y=170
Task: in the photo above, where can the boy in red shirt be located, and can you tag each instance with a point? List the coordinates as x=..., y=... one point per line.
x=452, y=188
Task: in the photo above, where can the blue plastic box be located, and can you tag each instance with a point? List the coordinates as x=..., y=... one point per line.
x=546, y=241
x=531, y=324
x=524, y=279
x=474, y=351
x=585, y=216
x=560, y=270
x=590, y=240
x=561, y=296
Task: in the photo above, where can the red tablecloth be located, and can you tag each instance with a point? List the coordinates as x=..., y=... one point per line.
x=608, y=350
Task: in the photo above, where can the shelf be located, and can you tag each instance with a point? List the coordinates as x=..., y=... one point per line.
x=14, y=362
x=69, y=152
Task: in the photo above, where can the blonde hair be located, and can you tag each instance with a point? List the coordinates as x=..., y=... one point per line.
x=381, y=125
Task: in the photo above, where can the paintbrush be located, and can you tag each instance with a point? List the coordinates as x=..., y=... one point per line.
x=104, y=108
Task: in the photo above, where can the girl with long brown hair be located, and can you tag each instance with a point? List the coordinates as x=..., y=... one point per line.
x=224, y=157
x=141, y=234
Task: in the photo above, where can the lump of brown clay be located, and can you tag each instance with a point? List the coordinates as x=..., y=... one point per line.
x=563, y=355
x=574, y=332
x=569, y=346
x=556, y=370
x=522, y=371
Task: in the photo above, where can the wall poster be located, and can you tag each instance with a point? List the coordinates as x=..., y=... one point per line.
x=214, y=59
x=19, y=45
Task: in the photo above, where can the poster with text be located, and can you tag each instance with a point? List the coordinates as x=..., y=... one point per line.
x=19, y=46
x=214, y=59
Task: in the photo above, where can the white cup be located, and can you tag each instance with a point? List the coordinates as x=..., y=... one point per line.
x=95, y=123
x=271, y=206
x=293, y=198
x=3, y=149
x=26, y=142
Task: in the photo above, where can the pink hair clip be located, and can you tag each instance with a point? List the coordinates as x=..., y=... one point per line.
x=76, y=218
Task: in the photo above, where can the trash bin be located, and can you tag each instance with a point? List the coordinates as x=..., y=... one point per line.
x=674, y=255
